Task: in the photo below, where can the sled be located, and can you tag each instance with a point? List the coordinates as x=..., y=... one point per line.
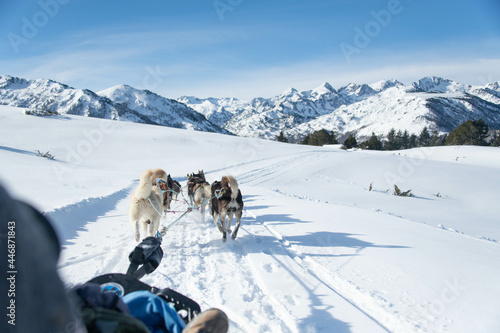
x=144, y=259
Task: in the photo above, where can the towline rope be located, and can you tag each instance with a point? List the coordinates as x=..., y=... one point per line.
x=189, y=209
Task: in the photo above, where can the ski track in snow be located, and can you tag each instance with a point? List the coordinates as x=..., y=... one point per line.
x=439, y=226
x=276, y=169
x=367, y=305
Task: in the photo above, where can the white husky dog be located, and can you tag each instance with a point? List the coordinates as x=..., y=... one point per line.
x=144, y=212
x=201, y=197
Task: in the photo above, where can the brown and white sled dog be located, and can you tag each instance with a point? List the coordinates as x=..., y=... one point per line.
x=192, y=180
x=227, y=201
x=143, y=213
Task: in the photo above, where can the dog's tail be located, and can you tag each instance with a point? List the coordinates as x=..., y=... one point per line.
x=232, y=183
x=158, y=173
x=145, y=185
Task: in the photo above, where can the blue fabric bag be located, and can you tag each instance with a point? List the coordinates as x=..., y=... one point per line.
x=154, y=312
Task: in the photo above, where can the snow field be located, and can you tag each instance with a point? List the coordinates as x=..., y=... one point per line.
x=316, y=252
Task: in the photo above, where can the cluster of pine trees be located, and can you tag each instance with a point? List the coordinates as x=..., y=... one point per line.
x=470, y=132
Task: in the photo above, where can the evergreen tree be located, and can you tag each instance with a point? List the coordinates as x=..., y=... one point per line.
x=424, y=139
x=305, y=140
x=373, y=143
x=442, y=139
x=470, y=132
x=350, y=142
x=405, y=140
x=495, y=141
x=398, y=140
x=391, y=140
x=333, y=138
x=319, y=138
x=282, y=138
x=413, y=141
x=436, y=139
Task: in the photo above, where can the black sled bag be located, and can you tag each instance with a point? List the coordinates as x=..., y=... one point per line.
x=144, y=259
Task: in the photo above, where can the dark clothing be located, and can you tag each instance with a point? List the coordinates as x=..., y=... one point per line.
x=32, y=294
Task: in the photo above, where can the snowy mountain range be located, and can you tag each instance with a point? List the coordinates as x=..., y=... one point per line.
x=440, y=104
x=121, y=102
x=437, y=103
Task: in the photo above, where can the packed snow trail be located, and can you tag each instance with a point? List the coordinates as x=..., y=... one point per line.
x=237, y=276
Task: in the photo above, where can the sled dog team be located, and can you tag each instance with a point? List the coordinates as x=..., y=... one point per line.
x=151, y=200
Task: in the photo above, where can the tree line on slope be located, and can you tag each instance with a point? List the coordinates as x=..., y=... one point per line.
x=470, y=132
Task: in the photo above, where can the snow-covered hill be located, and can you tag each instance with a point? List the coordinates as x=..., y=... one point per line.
x=437, y=103
x=117, y=103
x=324, y=245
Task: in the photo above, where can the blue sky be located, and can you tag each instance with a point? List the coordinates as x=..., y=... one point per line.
x=248, y=48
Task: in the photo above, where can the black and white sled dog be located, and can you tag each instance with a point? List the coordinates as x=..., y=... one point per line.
x=226, y=202
x=145, y=207
x=174, y=188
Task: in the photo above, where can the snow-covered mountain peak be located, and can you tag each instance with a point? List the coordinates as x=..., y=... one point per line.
x=290, y=95
x=325, y=88
x=290, y=92
x=10, y=82
x=39, y=85
x=385, y=84
x=353, y=89
x=494, y=85
x=124, y=91
x=118, y=87
x=117, y=91
x=434, y=84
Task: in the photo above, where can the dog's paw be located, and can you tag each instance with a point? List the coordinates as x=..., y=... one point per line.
x=233, y=236
x=137, y=237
